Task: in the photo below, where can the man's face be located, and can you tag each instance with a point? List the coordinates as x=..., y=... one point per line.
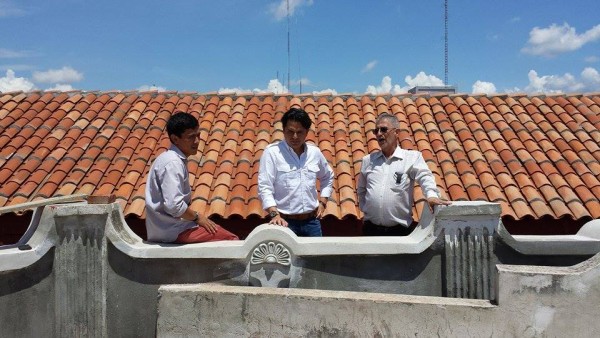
x=386, y=135
x=295, y=135
x=188, y=142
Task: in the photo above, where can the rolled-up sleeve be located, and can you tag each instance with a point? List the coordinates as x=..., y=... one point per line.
x=361, y=185
x=425, y=178
x=266, y=179
x=325, y=177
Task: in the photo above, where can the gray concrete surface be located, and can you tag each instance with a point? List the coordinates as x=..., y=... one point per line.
x=533, y=302
x=80, y=271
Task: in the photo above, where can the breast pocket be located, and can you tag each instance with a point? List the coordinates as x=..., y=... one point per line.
x=287, y=176
x=311, y=172
x=400, y=181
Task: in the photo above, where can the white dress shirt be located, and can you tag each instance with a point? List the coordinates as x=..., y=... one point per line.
x=168, y=195
x=288, y=181
x=385, y=186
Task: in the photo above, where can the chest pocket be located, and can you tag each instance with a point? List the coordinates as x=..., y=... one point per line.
x=287, y=175
x=401, y=180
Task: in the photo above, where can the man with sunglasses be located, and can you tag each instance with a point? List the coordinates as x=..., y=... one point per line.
x=386, y=183
x=287, y=178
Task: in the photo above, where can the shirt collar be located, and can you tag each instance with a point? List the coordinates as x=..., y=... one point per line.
x=178, y=152
x=398, y=152
x=292, y=150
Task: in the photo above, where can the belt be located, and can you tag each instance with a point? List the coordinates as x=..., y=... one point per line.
x=301, y=217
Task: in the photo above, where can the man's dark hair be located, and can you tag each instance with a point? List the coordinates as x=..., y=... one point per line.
x=298, y=115
x=180, y=122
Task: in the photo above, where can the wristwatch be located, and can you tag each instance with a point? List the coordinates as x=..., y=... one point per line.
x=195, y=220
x=273, y=214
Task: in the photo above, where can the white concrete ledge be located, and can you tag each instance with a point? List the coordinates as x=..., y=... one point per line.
x=129, y=243
x=585, y=242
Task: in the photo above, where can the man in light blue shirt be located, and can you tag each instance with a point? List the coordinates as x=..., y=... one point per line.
x=287, y=178
x=169, y=216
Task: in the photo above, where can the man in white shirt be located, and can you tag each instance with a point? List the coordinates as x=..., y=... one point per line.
x=169, y=217
x=287, y=178
x=386, y=183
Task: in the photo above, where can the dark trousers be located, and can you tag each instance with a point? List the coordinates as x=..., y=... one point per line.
x=305, y=228
x=371, y=229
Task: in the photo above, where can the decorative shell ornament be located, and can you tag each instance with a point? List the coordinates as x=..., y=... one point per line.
x=271, y=252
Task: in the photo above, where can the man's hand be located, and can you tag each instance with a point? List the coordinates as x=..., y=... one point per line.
x=207, y=224
x=277, y=220
x=433, y=201
x=321, y=208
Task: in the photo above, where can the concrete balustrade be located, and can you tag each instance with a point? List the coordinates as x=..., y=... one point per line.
x=80, y=270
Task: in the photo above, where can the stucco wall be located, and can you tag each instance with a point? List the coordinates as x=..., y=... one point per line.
x=533, y=302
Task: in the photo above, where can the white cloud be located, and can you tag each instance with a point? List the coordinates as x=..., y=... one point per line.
x=305, y=82
x=369, y=66
x=274, y=87
x=552, y=83
x=482, y=87
x=145, y=88
x=558, y=39
x=63, y=75
x=423, y=79
x=61, y=87
x=592, y=59
x=11, y=83
x=8, y=8
x=386, y=86
x=591, y=78
x=13, y=54
x=325, y=91
x=16, y=67
x=280, y=10
x=232, y=90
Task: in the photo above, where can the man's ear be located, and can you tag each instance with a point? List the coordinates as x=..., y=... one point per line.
x=173, y=138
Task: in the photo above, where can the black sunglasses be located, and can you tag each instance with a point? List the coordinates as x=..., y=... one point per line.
x=383, y=130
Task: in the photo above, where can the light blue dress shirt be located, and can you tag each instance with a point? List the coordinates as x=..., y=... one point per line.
x=288, y=181
x=168, y=195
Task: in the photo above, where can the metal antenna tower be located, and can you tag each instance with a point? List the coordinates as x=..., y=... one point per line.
x=445, y=42
x=288, y=44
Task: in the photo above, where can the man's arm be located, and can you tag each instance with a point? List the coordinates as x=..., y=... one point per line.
x=325, y=177
x=426, y=180
x=266, y=191
x=361, y=185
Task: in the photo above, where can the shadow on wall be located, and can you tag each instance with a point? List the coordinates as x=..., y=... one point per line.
x=242, y=227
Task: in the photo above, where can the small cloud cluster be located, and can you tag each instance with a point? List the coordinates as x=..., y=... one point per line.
x=386, y=86
x=483, y=87
x=280, y=10
x=558, y=39
x=369, y=66
x=59, y=79
x=589, y=80
x=146, y=88
x=274, y=86
x=8, y=8
x=10, y=83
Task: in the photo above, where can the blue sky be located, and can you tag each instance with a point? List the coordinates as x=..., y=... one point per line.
x=380, y=46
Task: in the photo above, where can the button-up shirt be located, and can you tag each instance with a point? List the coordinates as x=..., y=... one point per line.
x=168, y=195
x=385, y=186
x=288, y=181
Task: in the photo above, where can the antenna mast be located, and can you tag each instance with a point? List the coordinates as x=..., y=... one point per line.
x=445, y=42
x=288, y=44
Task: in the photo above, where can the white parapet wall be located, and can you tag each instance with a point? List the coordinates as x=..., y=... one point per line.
x=533, y=302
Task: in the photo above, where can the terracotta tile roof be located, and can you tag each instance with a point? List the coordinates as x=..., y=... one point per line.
x=539, y=156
